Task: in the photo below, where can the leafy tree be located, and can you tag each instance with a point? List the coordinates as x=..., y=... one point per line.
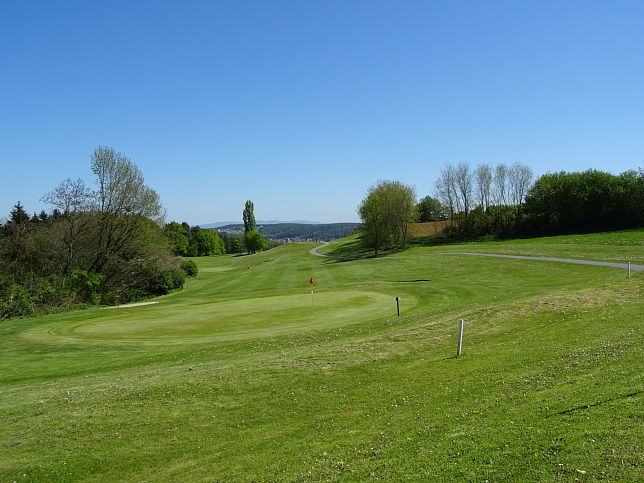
x=205, y=243
x=14, y=301
x=374, y=231
x=430, y=209
x=178, y=238
x=95, y=246
x=86, y=286
x=122, y=205
x=588, y=201
x=190, y=267
x=254, y=241
x=249, y=217
x=233, y=244
x=386, y=213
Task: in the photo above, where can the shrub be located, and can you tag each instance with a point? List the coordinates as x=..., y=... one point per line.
x=190, y=267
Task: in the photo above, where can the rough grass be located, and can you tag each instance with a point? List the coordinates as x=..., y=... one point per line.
x=427, y=228
x=247, y=376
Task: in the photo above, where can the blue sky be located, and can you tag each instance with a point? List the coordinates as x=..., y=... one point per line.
x=300, y=106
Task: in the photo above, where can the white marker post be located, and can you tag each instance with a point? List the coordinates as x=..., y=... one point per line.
x=629, y=269
x=398, y=305
x=460, y=338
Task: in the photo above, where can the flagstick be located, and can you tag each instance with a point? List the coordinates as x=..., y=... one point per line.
x=311, y=297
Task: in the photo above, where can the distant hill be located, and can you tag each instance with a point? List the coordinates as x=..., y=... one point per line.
x=259, y=222
x=294, y=231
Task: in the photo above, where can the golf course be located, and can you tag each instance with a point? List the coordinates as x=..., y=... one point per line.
x=284, y=366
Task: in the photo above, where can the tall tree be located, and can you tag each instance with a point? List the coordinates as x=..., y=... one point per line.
x=15, y=246
x=463, y=179
x=71, y=199
x=483, y=177
x=122, y=204
x=501, y=188
x=446, y=190
x=519, y=182
x=249, y=217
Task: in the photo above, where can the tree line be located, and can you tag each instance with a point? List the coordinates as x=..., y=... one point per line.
x=503, y=201
x=105, y=245
x=101, y=245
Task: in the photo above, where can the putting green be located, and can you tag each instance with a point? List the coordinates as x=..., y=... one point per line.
x=165, y=323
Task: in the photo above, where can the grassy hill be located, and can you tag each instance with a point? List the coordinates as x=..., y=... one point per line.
x=253, y=374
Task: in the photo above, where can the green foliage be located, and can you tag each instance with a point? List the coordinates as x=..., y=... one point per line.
x=87, y=286
x=249, y=217
x=161, y=282
x=14, y=300
x=189, y=267
x=254, y=241
x=204, y=243
x=587, y=201
x=590, y=201
x=95, y=246
x=178, y=238
x=18, y=215
x=430, y=209
x=386, y=213
x=232, y=244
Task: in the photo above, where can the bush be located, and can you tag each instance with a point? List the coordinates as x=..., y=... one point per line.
x=190, y=267
x=14, y=301
x=87, y=286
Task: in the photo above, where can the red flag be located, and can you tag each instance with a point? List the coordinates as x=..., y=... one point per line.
x=311, y=281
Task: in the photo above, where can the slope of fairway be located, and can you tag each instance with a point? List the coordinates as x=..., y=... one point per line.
x=245, y=375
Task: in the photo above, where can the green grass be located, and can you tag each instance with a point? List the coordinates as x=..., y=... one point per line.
x=248, y=376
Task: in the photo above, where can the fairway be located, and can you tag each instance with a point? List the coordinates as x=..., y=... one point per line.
x=216, y=321
x=251, y=373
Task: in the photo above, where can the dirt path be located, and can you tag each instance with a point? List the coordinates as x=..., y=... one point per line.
x=623, y=266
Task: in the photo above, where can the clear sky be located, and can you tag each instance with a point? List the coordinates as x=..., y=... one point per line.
x=300, y=106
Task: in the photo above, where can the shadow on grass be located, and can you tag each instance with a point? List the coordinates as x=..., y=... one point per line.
x=354, y=250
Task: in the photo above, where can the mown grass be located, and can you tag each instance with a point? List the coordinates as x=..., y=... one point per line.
x=248, y=376
x=618, y=247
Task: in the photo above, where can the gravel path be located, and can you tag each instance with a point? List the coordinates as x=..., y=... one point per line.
x=314, y=251
x=624, y=266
